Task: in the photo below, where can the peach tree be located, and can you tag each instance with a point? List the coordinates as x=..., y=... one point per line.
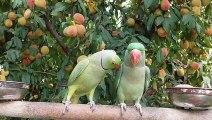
x=41, y=41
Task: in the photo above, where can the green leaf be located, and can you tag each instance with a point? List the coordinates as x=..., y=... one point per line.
x=147, y=3
x=1, y=30
x=105, y=34
x=9, y=44
x=58, y=8
x=17, y=42
x=134, y=39
x=65, y=61
x=186, y=18
x=23, y=32
x=40, y=21
x=16, y=3
x=166, y=25
x=159, y=20
x=150, y=22
x=83, y=8
x=159, y=56
x=143, y=39
x=25, y=77
x=60, y=74
x=12, y=55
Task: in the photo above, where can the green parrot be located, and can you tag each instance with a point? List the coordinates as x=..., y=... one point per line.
x=133, y=78
x=87, y=74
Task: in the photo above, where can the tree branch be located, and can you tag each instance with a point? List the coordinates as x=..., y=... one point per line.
x=45, y=110
x=55, y=34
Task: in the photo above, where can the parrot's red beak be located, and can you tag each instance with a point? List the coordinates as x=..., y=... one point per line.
x=135, y=56
x=117, y=67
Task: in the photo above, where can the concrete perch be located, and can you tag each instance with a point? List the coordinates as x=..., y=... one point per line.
x=103, y=112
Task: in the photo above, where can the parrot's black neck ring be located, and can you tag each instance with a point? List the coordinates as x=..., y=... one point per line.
x=102, y=65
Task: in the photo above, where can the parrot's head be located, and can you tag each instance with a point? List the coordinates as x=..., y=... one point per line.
x=135, y=51
x=110, y=60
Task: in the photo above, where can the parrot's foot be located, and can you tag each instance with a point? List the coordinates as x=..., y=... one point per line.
x=92, y=105
x=123, y=107
x=67, y=104
x=139, y=108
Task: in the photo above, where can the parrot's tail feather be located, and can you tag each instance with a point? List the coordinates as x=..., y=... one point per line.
x=65, y=97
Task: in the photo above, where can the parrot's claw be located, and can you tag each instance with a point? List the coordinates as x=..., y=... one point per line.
x=139, y=108
x=67, y=103
x=123, y=107
x=92, y=105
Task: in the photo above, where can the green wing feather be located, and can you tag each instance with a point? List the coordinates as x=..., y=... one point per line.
x=147, y=78
x=118, y=77
x=80, y=67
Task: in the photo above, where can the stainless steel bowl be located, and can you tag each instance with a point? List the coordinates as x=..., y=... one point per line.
x=11, y=90
x=191, y=98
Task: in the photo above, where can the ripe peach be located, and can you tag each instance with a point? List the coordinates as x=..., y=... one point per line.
x=12, y=15
x=30, y=3
x=208, y=31
x=26, y=61
x=38, y=56
x=165, y=5
x=70, y=31
x=196, y=10
x=44, y=50
x=184, y=44
x=80, y=30
x=165, y=52
x=8, y=23
x=27, y=13
x=194, y=65
x=22, y=21
x=205, y=2
x=184, y=10
x=130, y=22
x=162, y=73
x=196, y=3
x=180, y=72
x=161, y=32
x=40, y=3
x=78, y=18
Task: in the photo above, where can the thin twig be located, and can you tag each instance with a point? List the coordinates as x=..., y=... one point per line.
x=41, y=72
x=55, y=34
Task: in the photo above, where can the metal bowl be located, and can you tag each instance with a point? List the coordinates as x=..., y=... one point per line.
x=11, y=90
x=191, y=98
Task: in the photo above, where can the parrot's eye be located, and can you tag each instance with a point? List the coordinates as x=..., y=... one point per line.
x=113, y=62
